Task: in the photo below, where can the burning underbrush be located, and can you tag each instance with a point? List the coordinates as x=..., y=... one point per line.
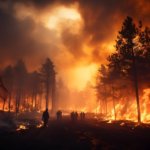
x=124, y=124
x=126, y=109
x=21, y=121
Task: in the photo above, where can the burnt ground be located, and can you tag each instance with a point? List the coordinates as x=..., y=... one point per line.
x=84, y=135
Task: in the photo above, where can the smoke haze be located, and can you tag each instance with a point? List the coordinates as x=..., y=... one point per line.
x=76, y=35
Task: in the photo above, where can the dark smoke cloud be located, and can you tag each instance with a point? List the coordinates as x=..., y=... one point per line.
x=102, y=19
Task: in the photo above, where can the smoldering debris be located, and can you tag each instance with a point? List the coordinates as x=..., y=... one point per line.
x=14, y=122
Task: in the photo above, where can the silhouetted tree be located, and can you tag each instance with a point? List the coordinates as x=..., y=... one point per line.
x=102, y=86
x=3, y=95
x=48, y=77
x=36, y=86
x=62, y=95
x=127, y=52
x=8, y=81
x=20, y=73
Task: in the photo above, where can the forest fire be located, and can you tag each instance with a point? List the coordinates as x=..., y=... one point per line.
x=82, y=67
x=130, y=113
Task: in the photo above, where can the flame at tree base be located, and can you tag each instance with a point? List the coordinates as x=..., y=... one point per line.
x=127, y=110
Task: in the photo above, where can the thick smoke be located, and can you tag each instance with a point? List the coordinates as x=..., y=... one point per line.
x=26, y=38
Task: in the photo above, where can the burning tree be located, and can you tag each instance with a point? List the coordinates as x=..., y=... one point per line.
x=8, y=81
x=103, y=89
x=36, y=87
x=129, y=55
x=3, y=93
x=20, y=73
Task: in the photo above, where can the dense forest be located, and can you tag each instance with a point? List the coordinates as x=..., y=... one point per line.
x=38, y=90
x=21, y=90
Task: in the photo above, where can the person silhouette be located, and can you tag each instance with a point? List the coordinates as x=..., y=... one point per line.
x=45, y=117
x=72, y=116
x=76, y=116
x=83, y=115
x=59, y=115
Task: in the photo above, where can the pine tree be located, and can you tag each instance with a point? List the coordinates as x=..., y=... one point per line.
x=127, y=52
x=48, y=77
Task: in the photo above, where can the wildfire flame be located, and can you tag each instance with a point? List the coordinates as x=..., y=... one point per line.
x=40, y=125
x=129, y=112
x=122, y=124
x=22, y=127
x=65, y=114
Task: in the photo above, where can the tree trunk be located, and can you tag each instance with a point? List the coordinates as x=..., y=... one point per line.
x=19, y=99
x=136, y=87
x=101, y=108
x=114, y=104
x=9, y=102
x=47, y=93
x=20, y=86
x=40, y=101
x=106, y=106
x=32, y=98
x=35, y=100
x=17, y=102
x=4, y=105
x=53, y=95
x=24, y=102
x=105, y=99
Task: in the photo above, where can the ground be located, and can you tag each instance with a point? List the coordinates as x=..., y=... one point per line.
x=90, y=134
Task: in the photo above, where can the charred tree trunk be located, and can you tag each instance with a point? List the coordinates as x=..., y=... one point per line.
x=20, y=86
x=101, y=107
x=105, y=99
x=4, y=105
x=17, y=102
x=114, y=103
x=106, y=106
x=47, y=92
x=35, y=101
x=53, y=93
x=27, y=106
x=136, y=87
x=24, y=102
x=32, y=98
x=40, y=101
x=9, y=102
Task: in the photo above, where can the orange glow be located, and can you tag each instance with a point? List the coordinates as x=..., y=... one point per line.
x=81, y=75
x=78, y=38
x=65, y=114
x=40, y=125
x=62, y=13
x=131, y=112
x=22, y=127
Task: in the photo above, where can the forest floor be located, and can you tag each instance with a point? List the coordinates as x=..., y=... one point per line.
x=90, y=134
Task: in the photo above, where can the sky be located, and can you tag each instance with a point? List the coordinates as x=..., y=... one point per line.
x=77, y=35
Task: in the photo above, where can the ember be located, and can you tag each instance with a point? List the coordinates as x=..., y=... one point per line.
x=22, y=127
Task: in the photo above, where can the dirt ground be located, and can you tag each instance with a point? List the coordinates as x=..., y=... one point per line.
x=82, y=135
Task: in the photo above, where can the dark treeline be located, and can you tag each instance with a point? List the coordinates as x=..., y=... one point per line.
x=128, y=72
x=24, y=90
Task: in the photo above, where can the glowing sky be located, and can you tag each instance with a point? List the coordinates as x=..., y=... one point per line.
x=76, y=35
